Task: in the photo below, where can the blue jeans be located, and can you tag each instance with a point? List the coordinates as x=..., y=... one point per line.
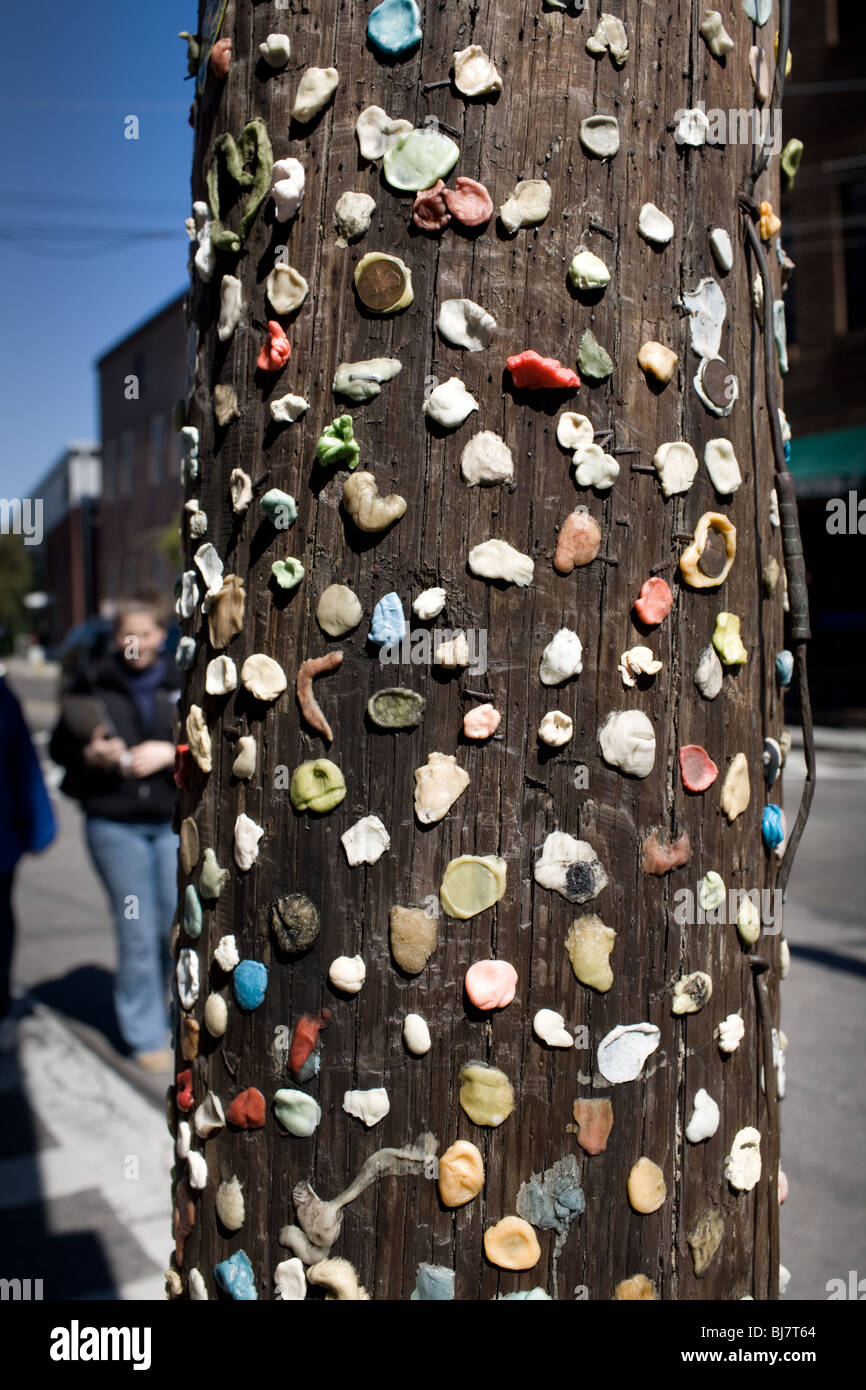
x=138, y=866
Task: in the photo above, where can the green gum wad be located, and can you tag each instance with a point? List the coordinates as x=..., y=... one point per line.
x=472, y=883
x=192, y=913
x=297, y=1112
x=418, y=158
x=212, y=879
x=337, y=444
x=789, y=162
x=287, y=573
x=727, y=640
x=592, y=360
x=229, y=162
x=396, y=708
x=317, y=786
x=486, y=1094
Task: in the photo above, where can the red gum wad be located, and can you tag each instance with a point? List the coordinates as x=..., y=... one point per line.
x=531, y=372
x=247, y=1110
x=184, y=1096
x=305, y=1037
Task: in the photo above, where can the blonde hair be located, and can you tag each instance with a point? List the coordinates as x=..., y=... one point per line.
x=153, y=604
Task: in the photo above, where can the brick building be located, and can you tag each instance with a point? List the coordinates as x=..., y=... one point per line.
x=140, y=378
x=67, y=558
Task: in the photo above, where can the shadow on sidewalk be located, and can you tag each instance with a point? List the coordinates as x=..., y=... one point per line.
x=85, y=996
x=47, y=1253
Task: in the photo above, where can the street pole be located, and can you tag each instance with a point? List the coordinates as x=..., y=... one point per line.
x=520, y=789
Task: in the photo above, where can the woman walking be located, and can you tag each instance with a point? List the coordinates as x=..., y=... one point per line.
x=116, y=741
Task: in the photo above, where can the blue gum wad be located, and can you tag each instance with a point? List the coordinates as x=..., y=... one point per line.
x=433, y=1284
x=235, y=1277
x=250, y=982
x=280, y=509
x=388, y=623
x=553, y=1199
x=192, y=914
x=337, y=444
x=784, y=667
x=394, y=27
x=772, y=827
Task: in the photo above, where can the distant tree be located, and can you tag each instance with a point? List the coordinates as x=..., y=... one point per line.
x=16, y=580
x=169, y=546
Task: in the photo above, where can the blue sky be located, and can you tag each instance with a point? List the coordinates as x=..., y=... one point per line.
x=76, y=198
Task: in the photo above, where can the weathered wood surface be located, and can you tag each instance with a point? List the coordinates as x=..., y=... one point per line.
x=519, y=792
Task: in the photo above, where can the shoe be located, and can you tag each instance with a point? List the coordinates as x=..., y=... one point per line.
x=161, y=1060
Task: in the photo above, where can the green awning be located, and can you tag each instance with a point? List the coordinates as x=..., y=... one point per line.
x=823, y=464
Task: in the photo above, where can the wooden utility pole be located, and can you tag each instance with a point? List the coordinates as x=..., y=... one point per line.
x=520, y=790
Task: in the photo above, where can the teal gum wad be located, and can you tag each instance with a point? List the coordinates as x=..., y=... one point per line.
x=433, y=1284
x=773, y=827
x=394, y=27
x=279, y=507
x=235, y=1277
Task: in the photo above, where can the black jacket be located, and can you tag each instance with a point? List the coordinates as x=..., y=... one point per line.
x=108, y=793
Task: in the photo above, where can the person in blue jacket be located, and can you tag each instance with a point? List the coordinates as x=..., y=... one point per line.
x=27, y=826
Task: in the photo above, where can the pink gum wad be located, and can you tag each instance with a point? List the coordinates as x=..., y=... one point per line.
x=660, y=854
x=429, y=210
x=654, y=601
x=469, y=202
x=594, y=1121
x=276, y=351
x=491, y=984
x=578, y=542
x=697, y=768
x=481, y=722
x=221, y=57
x=531, y=372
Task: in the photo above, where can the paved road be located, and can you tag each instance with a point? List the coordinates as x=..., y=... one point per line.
x=84, y=1110
x=824, y=1111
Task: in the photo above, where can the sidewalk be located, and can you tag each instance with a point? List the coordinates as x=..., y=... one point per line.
x=84, y=1163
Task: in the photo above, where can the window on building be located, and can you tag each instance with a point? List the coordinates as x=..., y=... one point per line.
x=112, y=579
x=853, y=202
x=129, y=572
x=126, y=486
x=109, y=470
x=156, y=450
